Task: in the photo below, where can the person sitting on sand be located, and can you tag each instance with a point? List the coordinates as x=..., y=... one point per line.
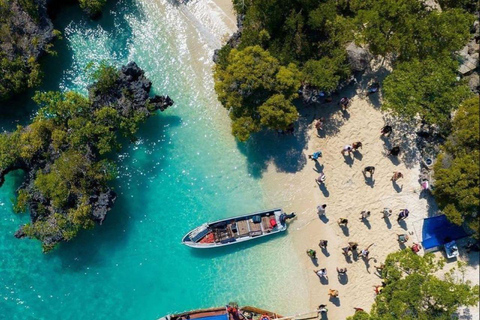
x=386, y=213
x=333, y=293
x=323, y=244
x=402, y=238
x=396, y=175
x=341, y=271
x=364, y=215
x=416, y=247
x=321, y=178
x=369, y=169
x=395, y=151
x=342, y=222
x=315, y=155
x=321, y=273
x=387, y=130
x=322, y=308
x=403, y=215
x=344, y=102
x=357, y=145
x=348, y=148
x=321, y=209
x=319, y=123
x=312, y=253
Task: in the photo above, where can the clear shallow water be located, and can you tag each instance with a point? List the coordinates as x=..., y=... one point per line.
x=184, y=170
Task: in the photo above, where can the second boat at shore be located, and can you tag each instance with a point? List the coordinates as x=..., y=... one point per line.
x=237, y=229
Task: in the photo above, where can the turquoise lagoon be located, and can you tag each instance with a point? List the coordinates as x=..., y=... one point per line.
x=184, y=170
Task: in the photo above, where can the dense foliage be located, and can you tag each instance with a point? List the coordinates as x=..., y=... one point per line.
x=24, y=35
x=92, y=7
x=412, y=291
x=311, y=36
x=64, y=152
x=457, y=169
x=428, y=88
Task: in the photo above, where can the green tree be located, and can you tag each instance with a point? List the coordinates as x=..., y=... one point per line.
x=428, y=88
x=255, y=89
x=412, y=290
x=456, y=171
x=404, y=28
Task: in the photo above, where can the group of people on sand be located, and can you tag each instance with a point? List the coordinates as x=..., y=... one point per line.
x=353, y=247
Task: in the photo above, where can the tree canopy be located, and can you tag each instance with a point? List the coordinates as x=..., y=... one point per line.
x=428, y=88
x=457, y=168
x=412, y=291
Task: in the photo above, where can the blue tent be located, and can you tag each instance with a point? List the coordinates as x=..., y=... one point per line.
x=438, y=230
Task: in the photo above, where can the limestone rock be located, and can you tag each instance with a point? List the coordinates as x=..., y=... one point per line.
x=358, y=57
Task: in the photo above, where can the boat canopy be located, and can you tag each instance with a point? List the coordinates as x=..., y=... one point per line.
x=214, y=317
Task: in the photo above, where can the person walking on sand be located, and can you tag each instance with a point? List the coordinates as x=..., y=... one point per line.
x=352, y=246
x=396, y=175
x=387, y=130
x=369, y=169
x=323, y=244
x=380, y=268
x=357, y=145
x=342, y=222
x=346, y=251
x=321, y=273
x=403, y=215
x=344, y=102
x=395, y=151
x=321, y=210
x=321, y=178
x=348, y=148
x=386, y=213
x=402, y=238
x=364, y=215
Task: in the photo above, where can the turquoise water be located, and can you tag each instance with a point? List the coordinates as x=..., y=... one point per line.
x=184, y=170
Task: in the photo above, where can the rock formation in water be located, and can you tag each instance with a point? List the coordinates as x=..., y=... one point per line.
x=26, y=34
x=63, y=152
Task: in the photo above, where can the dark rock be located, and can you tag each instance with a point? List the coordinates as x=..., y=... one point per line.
x=358, y=57
x=235, y=39
x=101, y=204
x=19, y=234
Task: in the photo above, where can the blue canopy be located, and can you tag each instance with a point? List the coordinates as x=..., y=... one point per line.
x=217, y=317
x=438, y=230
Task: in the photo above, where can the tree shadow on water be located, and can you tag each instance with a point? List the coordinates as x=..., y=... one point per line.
x=284, y=151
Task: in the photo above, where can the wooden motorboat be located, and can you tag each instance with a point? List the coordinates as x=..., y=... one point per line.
x=228, y=312
x=237, y=229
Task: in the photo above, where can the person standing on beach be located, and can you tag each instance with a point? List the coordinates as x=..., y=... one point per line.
x=312, y=254
x=386, y=213
x=364, y=215
x=369, y=169
x=323, y=244
x=395, y=151
x=315, y=155
x=348, y=148
x=321, y=178
x=333, y=293
x=387, y=130
x=341, y=271
x=396, y=175
x=402, y=238
x=344, y=102
x=403, y=215
x=319, y=124
x=342, y=222
x=357, y=145
x=321, y=273
x=322, y=308
x=321, y=210
x=352, y=246
x=364, y=253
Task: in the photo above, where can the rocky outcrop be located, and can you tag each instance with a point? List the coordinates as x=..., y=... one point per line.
x=129, y=95
x=358, y=57
x=26, y=35
x=234, y=40
x=469, y=58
